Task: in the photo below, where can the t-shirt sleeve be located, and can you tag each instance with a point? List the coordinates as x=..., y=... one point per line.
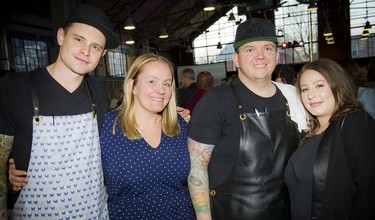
x=205, y=123
x=6, y=125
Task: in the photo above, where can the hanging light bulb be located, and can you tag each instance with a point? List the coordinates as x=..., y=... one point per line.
x=219, y=46
x=208, y=6
x=365, y=33
x=231, y=19
x=330, y=37
x=163, y=34
x=364, y=37
x=280, y=33
x=331, y=41
x=129, y=25
x=129, y=39
x=312, y=6
x=368, y=26
x=327, y=30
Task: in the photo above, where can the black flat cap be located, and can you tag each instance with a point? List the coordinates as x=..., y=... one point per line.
x=255, y=29
x=97, y=18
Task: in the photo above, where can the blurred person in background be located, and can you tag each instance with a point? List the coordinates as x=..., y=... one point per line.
x=365, y=94
x=205, y=81
x=187, y=86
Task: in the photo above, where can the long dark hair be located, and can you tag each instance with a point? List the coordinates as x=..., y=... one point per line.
x=342, y=88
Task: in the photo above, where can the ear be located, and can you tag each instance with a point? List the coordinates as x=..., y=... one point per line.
x=104, y=52
x=131, y=85
x=235, y=59
x=277, y=57
x=60, y=36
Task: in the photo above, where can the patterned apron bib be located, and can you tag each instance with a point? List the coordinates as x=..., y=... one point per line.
x=65, y=172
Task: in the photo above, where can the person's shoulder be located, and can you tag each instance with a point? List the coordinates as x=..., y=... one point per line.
x=181, y=120
x=192, y=87
x=112, y=114
x=220, y=89
x=366, y=91
x=357, y=126
x=95, y=87
x=14, y=80
x=283, y=86
x=357, y=117
x=358, y=114
x=218, y=92
x=13, y=76
x=93, y=82
x=109, y=118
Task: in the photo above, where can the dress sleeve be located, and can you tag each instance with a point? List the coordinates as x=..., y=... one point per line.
x=358, y=134
x=7, y=125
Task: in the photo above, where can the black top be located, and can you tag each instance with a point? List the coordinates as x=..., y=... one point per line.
x=54, y=100
x=184, y=95
x=215, y=121
x=299, y=180
x=343, y=171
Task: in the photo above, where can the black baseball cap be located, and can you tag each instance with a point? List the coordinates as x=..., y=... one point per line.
x=255, y=29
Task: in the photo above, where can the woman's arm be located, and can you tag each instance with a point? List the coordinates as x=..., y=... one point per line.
x=359, y=140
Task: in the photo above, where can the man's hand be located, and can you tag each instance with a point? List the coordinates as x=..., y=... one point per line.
x=184, y=113
x=16, y=177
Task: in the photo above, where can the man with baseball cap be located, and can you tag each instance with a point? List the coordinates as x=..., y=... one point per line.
x=49, y=118
x=241, y=135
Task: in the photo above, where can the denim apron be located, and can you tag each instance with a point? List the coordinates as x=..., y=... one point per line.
x=255, y=189
x=65, y=172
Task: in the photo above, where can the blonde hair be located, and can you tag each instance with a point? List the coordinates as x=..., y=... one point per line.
x=126, y=115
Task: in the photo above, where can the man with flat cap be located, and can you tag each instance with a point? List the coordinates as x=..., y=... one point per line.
x=241, y=135
x=49, y=118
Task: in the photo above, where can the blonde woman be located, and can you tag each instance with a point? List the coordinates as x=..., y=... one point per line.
x=144, y=147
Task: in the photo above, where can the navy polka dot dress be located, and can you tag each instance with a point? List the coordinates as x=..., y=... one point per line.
x=145, y=182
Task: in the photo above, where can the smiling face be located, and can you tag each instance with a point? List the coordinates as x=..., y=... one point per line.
x=256, y=60
x=81, y=47
x=316, y=95
x=152, y=89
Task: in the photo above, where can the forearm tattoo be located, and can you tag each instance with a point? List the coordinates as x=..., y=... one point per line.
x=200, y=155
x=6, y=143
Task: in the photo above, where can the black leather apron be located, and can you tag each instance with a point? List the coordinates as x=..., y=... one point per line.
x=255, y=188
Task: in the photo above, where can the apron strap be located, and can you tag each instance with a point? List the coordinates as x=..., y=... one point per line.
x=240, y=107
x=35, y=99
x=93, y=106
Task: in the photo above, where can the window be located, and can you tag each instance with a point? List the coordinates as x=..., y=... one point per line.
x=295, y=22
x=116, y=64
x=362, y=11
x=205, y=45
x=292, y=17
x=29, y=54
x=354, y=50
